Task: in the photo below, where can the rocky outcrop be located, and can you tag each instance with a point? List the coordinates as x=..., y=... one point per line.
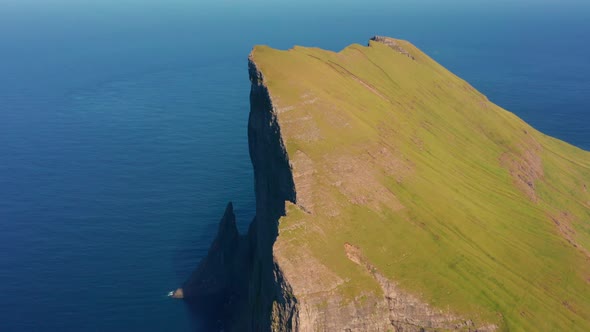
x=214, y=277
x=217, y=287
x=393, y=44
x=406, y=312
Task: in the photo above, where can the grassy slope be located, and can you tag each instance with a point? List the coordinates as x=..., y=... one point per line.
x=411, y=133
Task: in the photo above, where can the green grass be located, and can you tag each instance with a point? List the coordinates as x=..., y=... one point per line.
x=467, y=238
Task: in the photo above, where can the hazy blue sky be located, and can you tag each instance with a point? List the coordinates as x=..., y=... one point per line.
x=131, y=12
x=325, y=5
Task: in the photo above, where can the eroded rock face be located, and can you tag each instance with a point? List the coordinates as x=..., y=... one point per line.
x=215, y=277
x=407, y=312
x=240, y=276
x=270, y=305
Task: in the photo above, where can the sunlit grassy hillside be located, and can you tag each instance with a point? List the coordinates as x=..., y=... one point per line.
x=457, y=200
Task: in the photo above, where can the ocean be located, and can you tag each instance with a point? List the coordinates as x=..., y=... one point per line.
x=123, y=131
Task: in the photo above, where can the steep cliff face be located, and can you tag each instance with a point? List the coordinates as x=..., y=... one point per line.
x=240, y=275
x=392, y=196
x=269, y=300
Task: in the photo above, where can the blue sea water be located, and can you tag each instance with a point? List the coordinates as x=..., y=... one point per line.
x=123, y=131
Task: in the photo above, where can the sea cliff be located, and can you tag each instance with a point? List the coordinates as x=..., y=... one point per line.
x=391, y=195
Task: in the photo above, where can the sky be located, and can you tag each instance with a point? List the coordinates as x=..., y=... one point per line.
x=324, y=5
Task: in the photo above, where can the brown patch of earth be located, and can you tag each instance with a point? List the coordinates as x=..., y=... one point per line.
x=564, y=222
x=357, y=178
x=525, y=168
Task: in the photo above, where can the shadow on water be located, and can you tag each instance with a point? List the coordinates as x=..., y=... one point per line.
x=215, y=313
x=205, y=317
x=202, y=317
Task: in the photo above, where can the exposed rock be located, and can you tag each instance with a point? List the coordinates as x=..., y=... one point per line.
x=393, y=44
x=270, y=304
x=407, y=312
x=214, y=275
x=178, y=294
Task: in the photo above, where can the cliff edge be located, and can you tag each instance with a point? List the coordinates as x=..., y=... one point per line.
x=391, y=195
